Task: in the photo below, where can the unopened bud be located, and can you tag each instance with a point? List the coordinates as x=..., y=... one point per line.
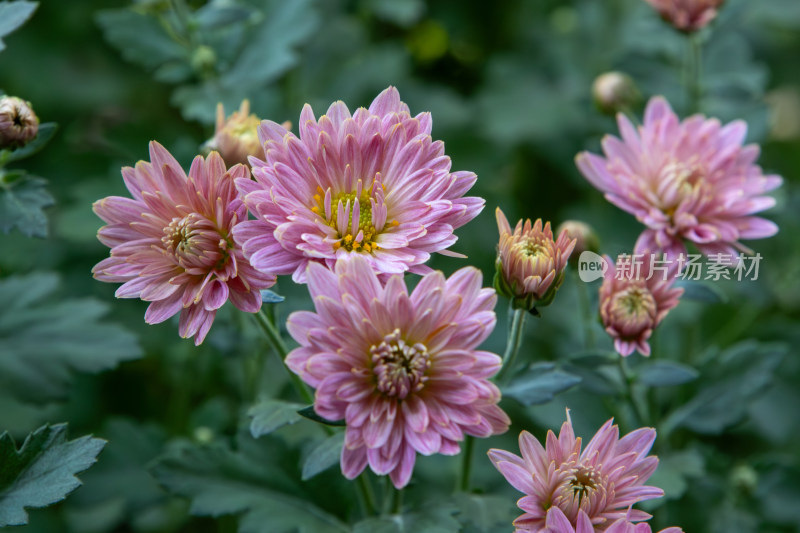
x=18, y=123
x=204, y=59
x=236, y=137
x=614, y=92
x=584, y=236
x=687, y=15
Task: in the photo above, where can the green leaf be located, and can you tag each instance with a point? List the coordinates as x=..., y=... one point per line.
x=540, y=383
x=432, y=519
x=22, y=198
x=696, y=291
x=44, y=338
x=271, y=47
x=323, y=456
x=404, y=13
x=251, y=481
x=42, y=471
x=270, y=297
x=269, y=415
x=13, y=15
x=666, y=373
x=311, y=414
x=214, y=16
x=139, y=37
x=485, y=511
x=43, y=136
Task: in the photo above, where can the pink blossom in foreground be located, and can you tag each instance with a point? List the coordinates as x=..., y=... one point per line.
x=602, y=481
x=631, y=305
x=687, y=15
x=373, y=184
x=171, y=243
x=689, y=180
x=402, y=370
x=530, y=263
x=557, y=522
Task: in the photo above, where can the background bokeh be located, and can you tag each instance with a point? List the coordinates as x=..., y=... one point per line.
x=509, y=88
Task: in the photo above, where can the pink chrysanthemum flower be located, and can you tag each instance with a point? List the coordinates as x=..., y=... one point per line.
x=688, y=180
x=557, y=522
x=687, y=15
x=372, y=184
x=631, y=305
x=402, y=370
x=530, y=263
x=171, y=243
x=603, y=481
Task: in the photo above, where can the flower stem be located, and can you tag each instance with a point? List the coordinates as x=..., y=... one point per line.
x=586, y=314
x=366, y=496
x=694, y=69
x=514, y=340
x=466, y=464
x=628, y=393
x=275, y=340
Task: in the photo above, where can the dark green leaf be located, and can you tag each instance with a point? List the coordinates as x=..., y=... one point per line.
x=270, y=297
x=432, y=519
x=540, y=383
x=251, y=481
x=666, y=373
x=44, y=338
x=309, y=413
x=696, y=291
x=269, y=415
x=140, y=38
x=43, y=136
x=323, y=456
x=21, y=204
x=42, y=471
x=212, y=16
x=404, y=13
x=485, y=511
x=13, y=15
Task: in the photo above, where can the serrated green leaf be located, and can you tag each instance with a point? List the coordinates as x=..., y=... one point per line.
x=43, y=340
x=21, y=204
x=666, y=373
x=485, y=511
x=214, y=16
x=432, y=519
x=139, y=37
x=43, y=136
x=540, y=383
x=270, y=414
x=251, y=481
x=696, y=291
x=404, y=13
x=311, y=414
x=13, y=15
x=323, y=456
x=42, y=471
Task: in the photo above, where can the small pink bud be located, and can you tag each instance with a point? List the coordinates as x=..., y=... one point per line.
x=18, y=123
x=687, y=15
x=236, y=137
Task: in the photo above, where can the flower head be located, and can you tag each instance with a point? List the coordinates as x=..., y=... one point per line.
x=557, y=522
x=372, y=184
x=599, y=483
x=171, y=243
x=689, y=180
x=631, y=305
x=687, y=15
x=402, y=370
x=530, y=264
x=236, y=137
x=615, y=91
x=583, y=234
x=18, y=123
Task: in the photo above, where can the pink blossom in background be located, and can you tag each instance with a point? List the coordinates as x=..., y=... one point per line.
x=171, y=244
x=373, y=184
x=631, y=305
x=600, y=482
x=402, y=370
x=690, y=180
x=557, y=522
x=687, y=15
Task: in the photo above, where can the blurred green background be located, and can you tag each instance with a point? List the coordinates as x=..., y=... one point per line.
x=509, y=88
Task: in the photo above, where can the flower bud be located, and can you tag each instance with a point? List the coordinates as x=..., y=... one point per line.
x=18, y=123
x=530, y=264
x=237, y=137
x=613, y=92
x=585, y=237
x=687, y=15
x=203, y=59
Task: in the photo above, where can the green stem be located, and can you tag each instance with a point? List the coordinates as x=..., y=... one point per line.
x=694, y=69
x=513, y=344
x=466, y=464
x=365, y=494
x=586, y=314
x=274, y=337
x=628, y=392
x=397, y=501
